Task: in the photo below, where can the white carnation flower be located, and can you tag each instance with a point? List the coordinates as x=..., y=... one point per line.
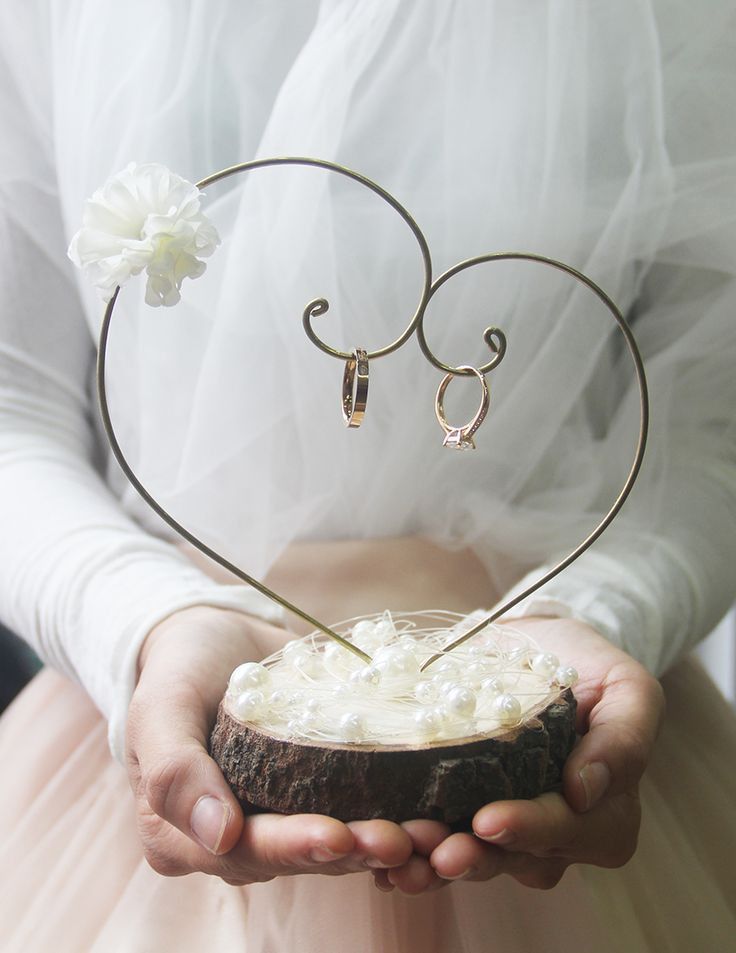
x=144, y=217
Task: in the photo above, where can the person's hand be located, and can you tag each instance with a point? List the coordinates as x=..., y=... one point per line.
x=595, y=820
x=188, y=818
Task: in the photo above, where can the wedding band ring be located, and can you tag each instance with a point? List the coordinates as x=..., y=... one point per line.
x=355, y=388
x=461, y=438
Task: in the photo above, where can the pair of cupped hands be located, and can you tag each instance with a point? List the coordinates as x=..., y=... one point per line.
x=189, y=820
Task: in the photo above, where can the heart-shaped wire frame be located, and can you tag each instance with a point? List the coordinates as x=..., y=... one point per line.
x=494, y=337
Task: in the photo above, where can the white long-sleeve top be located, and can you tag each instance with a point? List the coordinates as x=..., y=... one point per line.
x=80, y=578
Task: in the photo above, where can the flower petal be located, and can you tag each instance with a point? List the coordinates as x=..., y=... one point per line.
x=145, y=217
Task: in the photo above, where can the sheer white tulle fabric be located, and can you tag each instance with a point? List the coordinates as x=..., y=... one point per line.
x=598, y=133
x=592, y=132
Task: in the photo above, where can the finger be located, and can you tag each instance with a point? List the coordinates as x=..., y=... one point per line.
x=271, y=845
x=415, y=877
x=378, y=844
x=426, y=835
x=380, y=879
x=464, y=857
x=538, y=873
x=546, y=823
x=168, y=851
x=281, y=844
x=184, y=786
x=418, y=876
x=622, y=728
x=549, y=827
x=172, y=773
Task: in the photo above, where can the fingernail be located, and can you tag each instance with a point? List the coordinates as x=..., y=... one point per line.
x=208, y=822
x=462, y=876
x=501, y=838
x=323, y=855
x=595, y=777
x=384, y=887
x=374, y=863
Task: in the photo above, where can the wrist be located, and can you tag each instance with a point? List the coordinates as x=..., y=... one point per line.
x=211, y=625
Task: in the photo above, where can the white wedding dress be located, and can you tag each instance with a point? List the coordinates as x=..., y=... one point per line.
x=595, y=133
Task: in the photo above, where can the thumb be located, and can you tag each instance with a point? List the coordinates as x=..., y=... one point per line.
x=622, y=727
x=171, y=771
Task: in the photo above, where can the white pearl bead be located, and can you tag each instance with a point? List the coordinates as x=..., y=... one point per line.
x=370, y=675
x=363, y=628
x=337, y=660
x=365, y=678
x=312, y=704
x=566, y=676
x=444, y=688
x=493, y=685
x=476, y=651
x=394, y=662
x=425, y=692
x=446, y=667
x=489, y=641
x=294, y=651
x=247, y=705
x=545, y=664
x=474, y=673
x=303, y=723
x=334, y=658
x=460, y=702
x=341, y=690
x=295, y=645
x=517, y=656
x=248, y=675
x=427, y=722
x=279, y=699
x=305, y=663
x=352, y=727
x=308, y=719
x=366, y=636
x=507, y=709
x=408, y=643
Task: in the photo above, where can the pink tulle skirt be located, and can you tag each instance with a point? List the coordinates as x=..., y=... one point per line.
x=73, y=878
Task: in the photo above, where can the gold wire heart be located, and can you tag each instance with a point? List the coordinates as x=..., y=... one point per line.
x=493, y=337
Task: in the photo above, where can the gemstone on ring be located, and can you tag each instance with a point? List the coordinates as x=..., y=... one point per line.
x=458, y=440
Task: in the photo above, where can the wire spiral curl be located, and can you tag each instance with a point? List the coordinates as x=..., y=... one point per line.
x=320, y=306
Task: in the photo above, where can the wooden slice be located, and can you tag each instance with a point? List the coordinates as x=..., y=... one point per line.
x=445, y=781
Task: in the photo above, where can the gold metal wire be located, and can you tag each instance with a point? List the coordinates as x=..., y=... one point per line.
x=494, y=337
x=168, y=518
x=317, y=307
x=320, y=306
x=643, y=418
